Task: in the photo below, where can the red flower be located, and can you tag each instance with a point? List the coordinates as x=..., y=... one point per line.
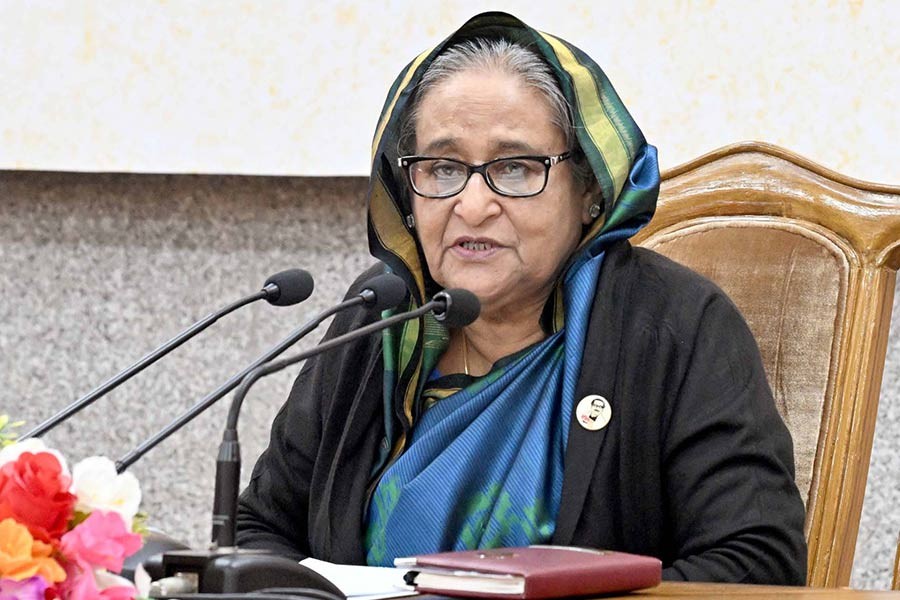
x=35, y=492
x=52, y=593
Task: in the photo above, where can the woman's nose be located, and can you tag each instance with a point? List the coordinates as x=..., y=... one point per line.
x=477, y=202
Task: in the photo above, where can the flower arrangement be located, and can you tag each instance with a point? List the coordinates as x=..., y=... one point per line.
x=63, y=534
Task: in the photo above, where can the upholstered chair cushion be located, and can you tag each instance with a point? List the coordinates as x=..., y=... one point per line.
x=790, y=284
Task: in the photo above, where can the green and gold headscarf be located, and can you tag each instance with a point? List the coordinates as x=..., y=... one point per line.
x=611, y=141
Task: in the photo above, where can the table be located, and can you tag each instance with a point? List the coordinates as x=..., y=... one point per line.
x=733, y=591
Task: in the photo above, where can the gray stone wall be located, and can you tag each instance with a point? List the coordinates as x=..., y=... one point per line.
x=98, y=269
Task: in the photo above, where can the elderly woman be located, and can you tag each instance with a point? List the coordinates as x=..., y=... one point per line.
x=605, y=397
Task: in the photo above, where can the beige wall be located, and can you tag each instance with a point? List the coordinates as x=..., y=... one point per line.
x=89, y=263
x=294, y=87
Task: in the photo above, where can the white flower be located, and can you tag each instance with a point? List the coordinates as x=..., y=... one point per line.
x=34, y=445
x=104, y=579
x=98, y=487
x=142, y=581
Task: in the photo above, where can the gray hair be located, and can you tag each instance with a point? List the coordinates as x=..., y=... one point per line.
x=482, y=54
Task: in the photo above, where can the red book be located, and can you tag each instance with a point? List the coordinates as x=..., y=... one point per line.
x=533, y=572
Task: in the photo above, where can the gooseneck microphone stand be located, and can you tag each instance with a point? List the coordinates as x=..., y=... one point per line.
x=228, y=463
x=214, y=396
x=226, y=568
x=282, y=289
x=455, y=307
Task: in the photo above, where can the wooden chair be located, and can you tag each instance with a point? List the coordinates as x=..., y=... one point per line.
x=895, y=585
x=810, y=257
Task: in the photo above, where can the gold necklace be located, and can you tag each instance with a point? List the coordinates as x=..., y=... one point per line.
x=465, y=352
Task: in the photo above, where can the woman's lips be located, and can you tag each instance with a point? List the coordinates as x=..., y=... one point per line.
x=475, y=248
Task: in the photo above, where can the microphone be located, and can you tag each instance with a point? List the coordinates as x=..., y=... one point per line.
x=288, y=287
x=379, y=293
x=227, y=570
x=457, y=307
x=454, y=307
x=282, y=289
x=383, y=292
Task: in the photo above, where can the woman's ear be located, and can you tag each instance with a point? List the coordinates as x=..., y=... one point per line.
x=591, y=202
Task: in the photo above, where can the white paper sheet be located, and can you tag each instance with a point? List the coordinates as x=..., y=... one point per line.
x=362, y=583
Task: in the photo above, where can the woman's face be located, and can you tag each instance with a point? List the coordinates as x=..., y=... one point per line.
x=507, y=251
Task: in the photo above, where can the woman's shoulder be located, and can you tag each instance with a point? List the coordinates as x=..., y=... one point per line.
x=345, y=321
x=378, y=268
x=360, y=315
x=664, y=291
x=653, y=271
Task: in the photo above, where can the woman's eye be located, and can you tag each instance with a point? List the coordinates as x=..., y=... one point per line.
x=513, y=169
x=446, y=170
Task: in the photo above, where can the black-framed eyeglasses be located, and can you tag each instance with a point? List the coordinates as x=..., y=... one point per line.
x=514, y=176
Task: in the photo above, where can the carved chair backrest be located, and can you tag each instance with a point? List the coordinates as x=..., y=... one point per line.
x=810, y=257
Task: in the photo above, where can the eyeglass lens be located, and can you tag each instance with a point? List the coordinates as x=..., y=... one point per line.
x=443, y=177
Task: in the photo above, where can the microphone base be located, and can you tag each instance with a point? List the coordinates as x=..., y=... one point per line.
x=233, y=570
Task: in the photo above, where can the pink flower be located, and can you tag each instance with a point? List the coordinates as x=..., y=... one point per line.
x=96, y=585
x=26, y=589
x=113, y=587
x=118, y=593
x=100, y=542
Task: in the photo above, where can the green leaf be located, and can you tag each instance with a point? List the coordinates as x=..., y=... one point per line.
x=139, y=523
x=78, y=518
x=7, y=434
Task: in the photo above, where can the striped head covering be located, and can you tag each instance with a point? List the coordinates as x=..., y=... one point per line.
x=611, y=141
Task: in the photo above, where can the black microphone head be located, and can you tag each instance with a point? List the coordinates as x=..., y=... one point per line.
x=461, y=307
x=383, y=292
x=288, y=287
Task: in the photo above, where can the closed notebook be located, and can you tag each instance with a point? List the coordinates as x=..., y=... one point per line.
x=532, y=572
